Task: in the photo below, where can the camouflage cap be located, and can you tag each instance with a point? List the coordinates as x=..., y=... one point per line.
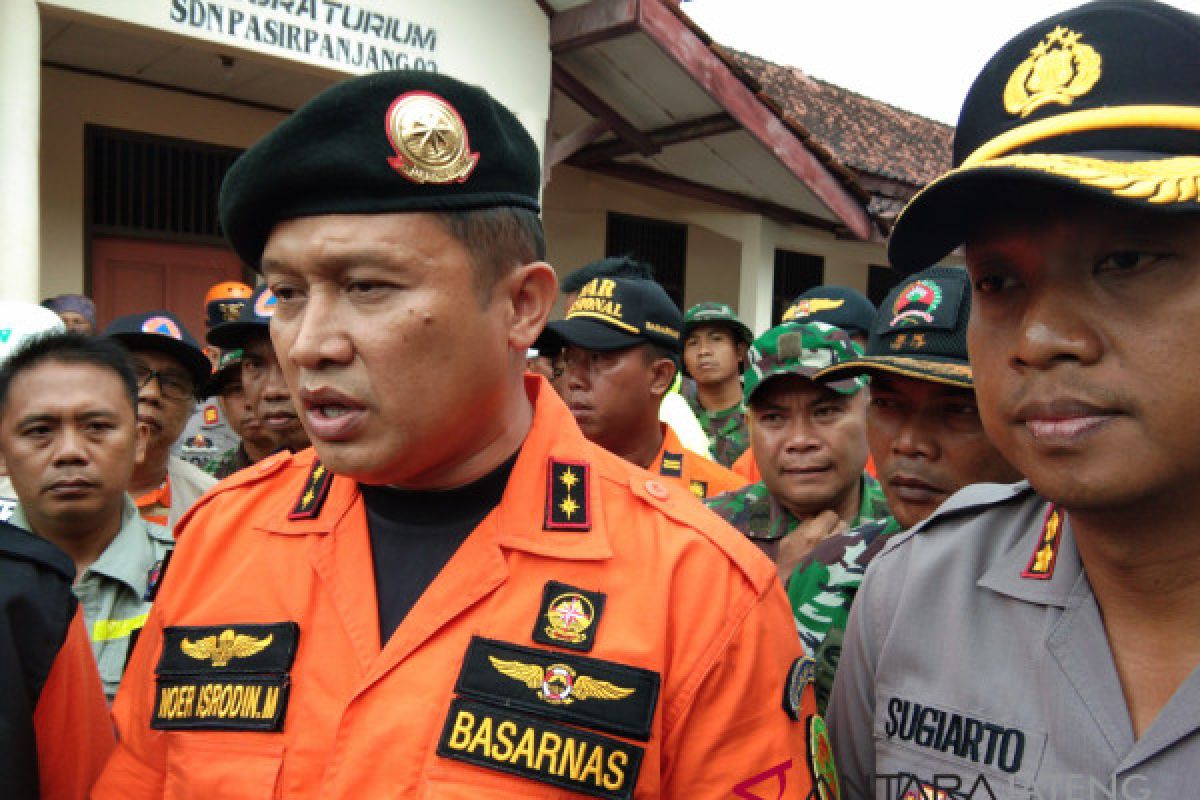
x=715, y=314
x=801, y=349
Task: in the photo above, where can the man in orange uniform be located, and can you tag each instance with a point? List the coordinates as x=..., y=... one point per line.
x=456, y=595
x=619, y=347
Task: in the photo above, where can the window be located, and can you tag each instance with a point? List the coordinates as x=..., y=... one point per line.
x=795, y=273
x=655, y=241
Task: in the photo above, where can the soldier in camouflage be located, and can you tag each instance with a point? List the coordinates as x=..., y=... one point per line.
x=925, y=435
x=809, y=440
x=714, y=350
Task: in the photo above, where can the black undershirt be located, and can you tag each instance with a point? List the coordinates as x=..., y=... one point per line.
x=414, y=533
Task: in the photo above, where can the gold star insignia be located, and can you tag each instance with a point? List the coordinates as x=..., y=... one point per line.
x=569, y=479
x=568, y=506
x=307, y=499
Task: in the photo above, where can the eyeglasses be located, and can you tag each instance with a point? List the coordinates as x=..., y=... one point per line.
x=172, y=385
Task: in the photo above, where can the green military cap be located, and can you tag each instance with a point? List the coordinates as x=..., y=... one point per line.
x=229, y=366
x=715, y=314
x=387, y=142
x=800, y=349
x=920, y=331
x=1102, y=100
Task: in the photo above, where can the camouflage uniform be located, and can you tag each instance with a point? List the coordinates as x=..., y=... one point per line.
x=756, y=513
x=823, y=587
x=229, y=462
x=728, y=434
x=802, y=349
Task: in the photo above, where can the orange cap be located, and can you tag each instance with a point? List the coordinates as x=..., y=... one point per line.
x=226, y=290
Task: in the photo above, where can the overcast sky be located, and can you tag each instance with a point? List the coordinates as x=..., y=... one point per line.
x=920, y=55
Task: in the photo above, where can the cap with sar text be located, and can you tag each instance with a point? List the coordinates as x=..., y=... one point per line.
x=615, y=313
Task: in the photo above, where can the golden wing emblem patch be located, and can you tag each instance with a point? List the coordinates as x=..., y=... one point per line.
x=559, y=684
x=225, y=647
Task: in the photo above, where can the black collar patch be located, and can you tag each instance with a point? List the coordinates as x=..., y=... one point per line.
x=316, y=489
x=568, y=486
x=610, y=697
x=521, y=744
x=224, y=677
x=568, y=617
x=671, y=465
x=699, y=488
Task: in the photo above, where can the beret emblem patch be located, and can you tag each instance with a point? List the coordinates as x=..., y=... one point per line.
x=430, y=140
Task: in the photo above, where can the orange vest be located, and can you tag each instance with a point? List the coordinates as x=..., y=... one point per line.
x=702, y=476
x=599, y=631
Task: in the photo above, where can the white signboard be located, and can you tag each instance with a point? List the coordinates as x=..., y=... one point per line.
x=500, y=44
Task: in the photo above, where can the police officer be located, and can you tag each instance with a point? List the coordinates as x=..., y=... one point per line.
x=809, y=437
x=455, y=594
x=924, y=431
x=1040, y=640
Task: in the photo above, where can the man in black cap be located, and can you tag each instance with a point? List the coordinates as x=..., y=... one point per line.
x=262, y=381
x=619, y=349
x=839, y=306
x=1040, y=639
x=925, y=435
x=255, y=441
x=171, y=371
x=454, y=593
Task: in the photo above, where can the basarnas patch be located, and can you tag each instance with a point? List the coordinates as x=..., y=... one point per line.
x=603, y=695
x=502, y=739
x=568, y=617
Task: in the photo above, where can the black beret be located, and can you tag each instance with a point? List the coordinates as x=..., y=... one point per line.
x=390, y=141
x=1102, y=100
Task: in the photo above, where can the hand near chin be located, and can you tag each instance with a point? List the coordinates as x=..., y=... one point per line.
x=794, y=547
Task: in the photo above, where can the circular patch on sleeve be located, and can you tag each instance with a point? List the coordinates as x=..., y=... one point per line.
x=821, y=765
x=802, y=673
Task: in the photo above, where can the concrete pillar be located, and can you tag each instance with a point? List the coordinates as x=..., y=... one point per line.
x=757, y=275
x=20, y=64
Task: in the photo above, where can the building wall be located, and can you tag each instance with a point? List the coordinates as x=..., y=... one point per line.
x=730, y=254
x=69, y=102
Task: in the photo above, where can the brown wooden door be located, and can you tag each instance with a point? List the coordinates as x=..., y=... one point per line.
x=133, y=276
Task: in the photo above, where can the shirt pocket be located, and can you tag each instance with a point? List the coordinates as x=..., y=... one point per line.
x=448, y=781
x=199, y=768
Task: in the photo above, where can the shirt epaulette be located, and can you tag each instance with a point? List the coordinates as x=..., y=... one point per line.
x=967, y=501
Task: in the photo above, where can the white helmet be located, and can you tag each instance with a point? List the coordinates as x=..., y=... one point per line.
x=20, y=322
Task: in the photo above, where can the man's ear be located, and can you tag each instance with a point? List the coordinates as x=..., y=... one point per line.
x=143, y=439
x=530, y=291
x=662, y=375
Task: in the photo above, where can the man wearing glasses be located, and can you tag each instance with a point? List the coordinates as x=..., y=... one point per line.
x=170, y=367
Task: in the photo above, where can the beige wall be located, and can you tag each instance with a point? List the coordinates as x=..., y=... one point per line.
x=69, y=102
x=730, y=253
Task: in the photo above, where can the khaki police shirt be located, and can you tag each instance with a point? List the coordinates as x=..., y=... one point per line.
x=112, y=590
x=976, y=668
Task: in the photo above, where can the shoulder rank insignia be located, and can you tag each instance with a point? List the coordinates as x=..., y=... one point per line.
x=316, y=489
x=154, y=577
x=1045, y=553
x=802, y=673
x=699, y=488
x=568, y=617
x=567, y=491
x=671, y=465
